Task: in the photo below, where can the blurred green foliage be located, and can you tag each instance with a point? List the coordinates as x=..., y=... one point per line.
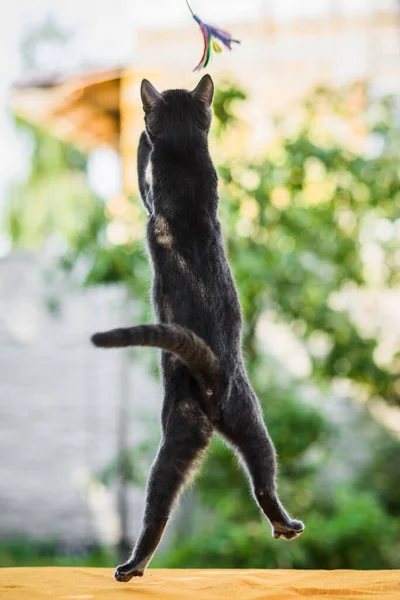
x=54, y=202
x=25, y=552
x=300, y=221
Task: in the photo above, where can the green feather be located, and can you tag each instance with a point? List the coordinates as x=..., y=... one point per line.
x=208, y=51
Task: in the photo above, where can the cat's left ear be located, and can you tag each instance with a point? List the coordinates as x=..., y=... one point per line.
x=150, y=96
x=205, y=90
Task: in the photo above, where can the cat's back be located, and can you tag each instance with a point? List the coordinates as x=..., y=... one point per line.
x=192, y=281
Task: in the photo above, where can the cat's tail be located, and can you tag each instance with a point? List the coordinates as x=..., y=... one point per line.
x=182, y=342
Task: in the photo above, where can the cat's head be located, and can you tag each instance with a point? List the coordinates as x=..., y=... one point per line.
x=178, y=117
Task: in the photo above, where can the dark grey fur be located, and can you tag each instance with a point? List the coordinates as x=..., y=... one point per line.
x=206, y=388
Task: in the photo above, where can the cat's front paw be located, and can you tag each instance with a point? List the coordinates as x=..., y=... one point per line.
x=288, y=530
x=125, y=572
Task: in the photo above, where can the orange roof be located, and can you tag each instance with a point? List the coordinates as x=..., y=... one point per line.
x=82, y=109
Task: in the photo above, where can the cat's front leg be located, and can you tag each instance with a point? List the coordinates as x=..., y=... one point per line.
x=144, y=171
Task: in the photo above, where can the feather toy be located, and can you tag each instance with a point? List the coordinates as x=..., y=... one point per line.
x=211, y=37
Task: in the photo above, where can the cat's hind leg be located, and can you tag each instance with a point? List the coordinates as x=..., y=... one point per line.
x=185, y=437
x=244, y=428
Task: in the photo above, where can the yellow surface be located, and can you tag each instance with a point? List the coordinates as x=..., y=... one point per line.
x=189, y=584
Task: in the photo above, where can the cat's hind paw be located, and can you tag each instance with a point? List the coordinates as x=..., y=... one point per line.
x=289, y=530
x=125, y=572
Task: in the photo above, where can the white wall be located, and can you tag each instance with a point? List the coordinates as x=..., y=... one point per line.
x=58, y=398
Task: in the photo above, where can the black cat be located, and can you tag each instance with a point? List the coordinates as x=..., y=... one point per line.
x=206, y=388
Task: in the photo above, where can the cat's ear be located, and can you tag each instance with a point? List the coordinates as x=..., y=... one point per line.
x=150, y=96
x=205, y=90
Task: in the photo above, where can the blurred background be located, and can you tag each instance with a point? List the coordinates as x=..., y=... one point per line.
x=306, y=141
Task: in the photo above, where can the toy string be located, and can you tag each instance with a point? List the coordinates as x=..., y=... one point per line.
x=190, y=8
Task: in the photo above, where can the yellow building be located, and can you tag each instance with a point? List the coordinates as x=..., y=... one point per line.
x=279, y=61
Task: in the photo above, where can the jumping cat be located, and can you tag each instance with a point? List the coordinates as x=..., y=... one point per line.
x=205, y=384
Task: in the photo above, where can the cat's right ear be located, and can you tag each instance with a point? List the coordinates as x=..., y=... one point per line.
x=205, y=90
x=150, y=96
